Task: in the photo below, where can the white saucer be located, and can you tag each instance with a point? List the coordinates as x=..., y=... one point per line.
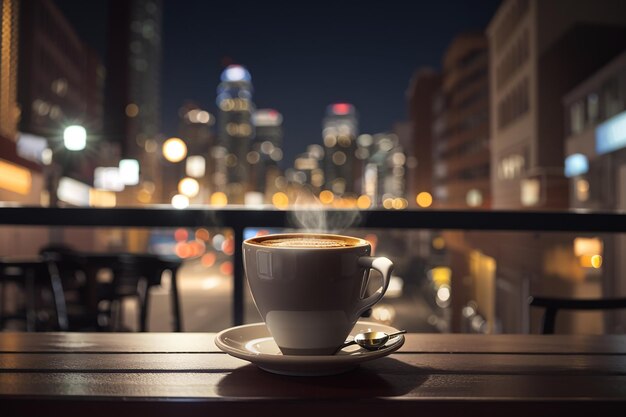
x=253, y=343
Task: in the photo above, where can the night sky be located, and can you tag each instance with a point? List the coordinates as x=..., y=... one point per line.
x=302, y=55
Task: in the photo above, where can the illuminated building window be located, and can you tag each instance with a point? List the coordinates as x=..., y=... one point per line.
x=253, y=157
x=132, y=110
x=530, y=192
x=276, y=155
x=330, y=141
x=577, y=117
x=582, y=190
x=339, y=158
x=344, y=141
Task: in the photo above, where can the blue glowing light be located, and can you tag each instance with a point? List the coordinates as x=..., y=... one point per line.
x=235, y=73
x=576, y=164
x=611, y=135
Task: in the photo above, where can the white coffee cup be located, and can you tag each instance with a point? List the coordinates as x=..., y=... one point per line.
x=310, y=288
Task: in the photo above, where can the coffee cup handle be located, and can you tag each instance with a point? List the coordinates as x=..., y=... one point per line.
x=385, y=267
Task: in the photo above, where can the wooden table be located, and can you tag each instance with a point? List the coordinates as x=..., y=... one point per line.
x=182, y=374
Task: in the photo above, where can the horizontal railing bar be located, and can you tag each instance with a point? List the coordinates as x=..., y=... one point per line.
x=552, y=221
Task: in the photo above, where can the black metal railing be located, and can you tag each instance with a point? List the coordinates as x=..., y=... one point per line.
x=238, y=219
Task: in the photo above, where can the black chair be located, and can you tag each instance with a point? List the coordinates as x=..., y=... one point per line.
x=70, y=269
x=133, y=277
x=42, y=289
x=553, y=305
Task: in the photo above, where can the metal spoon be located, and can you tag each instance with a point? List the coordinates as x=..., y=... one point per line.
x=371, y=340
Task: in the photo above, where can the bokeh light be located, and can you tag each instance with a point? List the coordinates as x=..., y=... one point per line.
x=189, y=187
x=327, y=197
x=219, y=199
x=202, y=234
x=180, y=201
x=280, y=200
x=596, y=261
x=174, y=150
x=208, y=259
x=75, y=138
x=227, y=268
x=181, y=235
x=424, y=199
x=364, y=202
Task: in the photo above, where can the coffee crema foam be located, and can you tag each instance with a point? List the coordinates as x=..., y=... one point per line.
x=306, y=242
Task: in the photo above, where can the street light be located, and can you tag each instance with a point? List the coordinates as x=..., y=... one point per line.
x=75, y=138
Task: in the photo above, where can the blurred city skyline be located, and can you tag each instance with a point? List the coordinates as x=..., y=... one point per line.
x=363, y=53
x=460, y=107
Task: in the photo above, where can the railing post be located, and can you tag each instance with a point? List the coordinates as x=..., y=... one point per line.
x=238, y=277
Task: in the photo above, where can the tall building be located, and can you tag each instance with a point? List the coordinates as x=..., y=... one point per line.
x=383, y=178
x=461, y=126
x=266, y=151
x=340, y=129
x=20, y=179
x=421, y=93
x=235, y=133
x=196, y=128
x=132, y=99
x=539, y=51
x=60, y=83
x=9, y=109
x=595, y=164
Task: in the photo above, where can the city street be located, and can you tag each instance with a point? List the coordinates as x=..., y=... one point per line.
x=206, y=300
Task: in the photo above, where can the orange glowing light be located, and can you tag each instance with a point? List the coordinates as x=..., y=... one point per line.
x=202, y=234
x=196, y=247
x=228, y=247
x=181, y=235
x=219, y=199
x=424, y=199
x=326, y=197
x=280, y=200
x=182, y=250
x=364, y=202
x=596, y=261
x=208, y=259
x=227, y=268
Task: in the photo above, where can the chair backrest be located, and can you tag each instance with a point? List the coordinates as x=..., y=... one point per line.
x=553, y=305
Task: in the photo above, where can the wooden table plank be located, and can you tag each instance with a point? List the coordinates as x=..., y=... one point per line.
x=249, y=382
x=515, y=343
x=108, y=342
x=427, y=363
x=204, y=342
x=185, y=374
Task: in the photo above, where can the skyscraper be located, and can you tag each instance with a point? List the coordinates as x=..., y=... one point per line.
x=9, y=110
x=266, y=150
x=60, y=83
x=132, y=100
x=461, y=164
x=421, y=94
x=235, y=133
x=340, y=128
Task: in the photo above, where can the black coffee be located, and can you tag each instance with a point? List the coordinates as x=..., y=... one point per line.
x=307, y=242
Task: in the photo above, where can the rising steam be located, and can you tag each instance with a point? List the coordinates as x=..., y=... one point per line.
x=311, y=215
